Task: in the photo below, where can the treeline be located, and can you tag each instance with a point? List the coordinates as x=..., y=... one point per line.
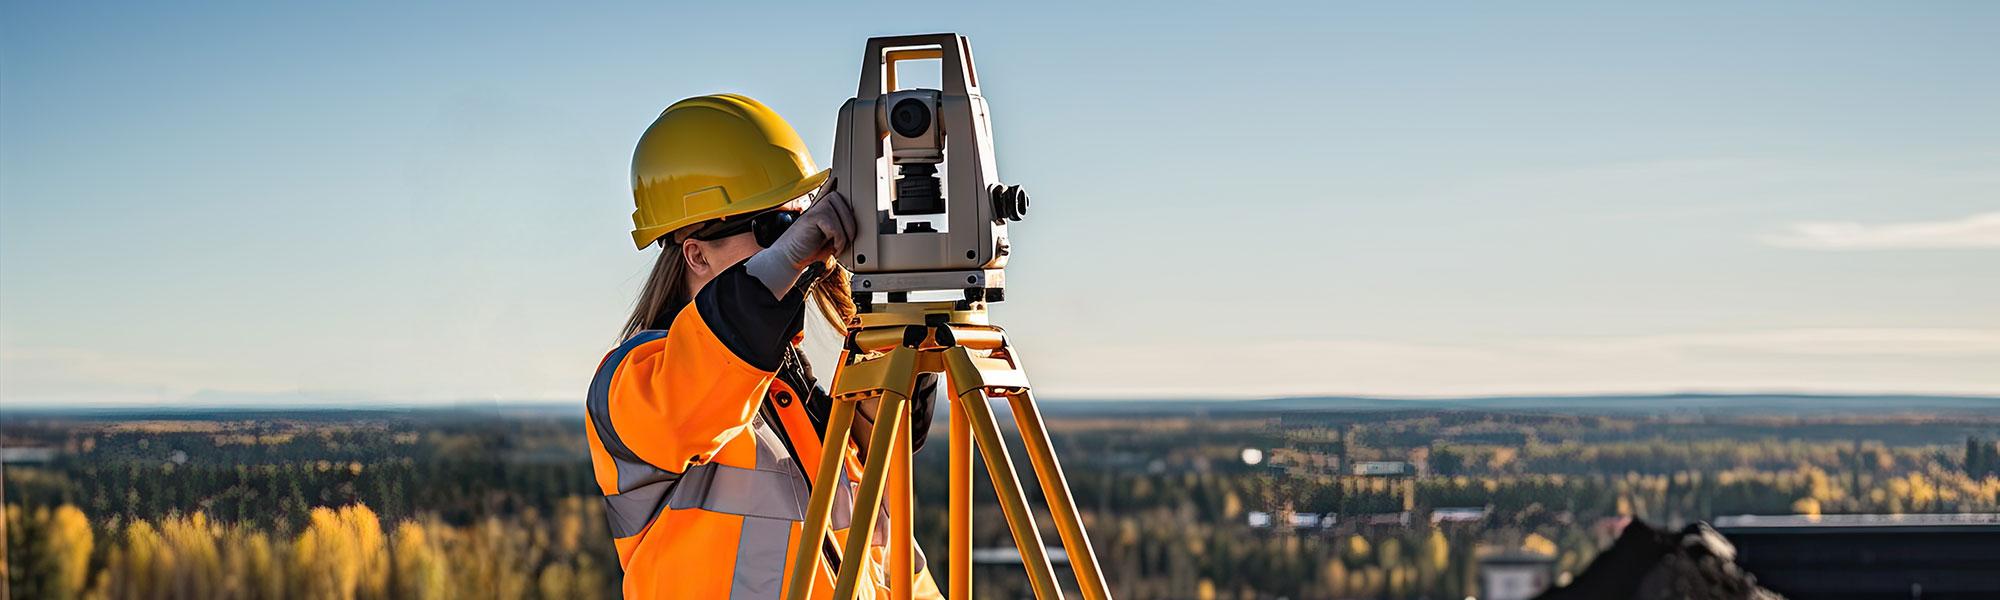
x=505, y=507
x=1982, y=458
x=279, y=496
x=429, y=507
x=341, y=553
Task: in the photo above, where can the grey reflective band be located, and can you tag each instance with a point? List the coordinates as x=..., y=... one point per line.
x=773, y=490
x=629, y=512
x=597, y=401
x=761, y=550
x=843, y=509
x=711, y=487
x=765, y=541
x=739, y=491
x=843, y=502
x=633, y=474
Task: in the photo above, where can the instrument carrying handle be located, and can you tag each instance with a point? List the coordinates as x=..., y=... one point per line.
x=879, y=64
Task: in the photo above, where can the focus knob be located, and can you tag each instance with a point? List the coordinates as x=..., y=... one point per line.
x=1010, y=203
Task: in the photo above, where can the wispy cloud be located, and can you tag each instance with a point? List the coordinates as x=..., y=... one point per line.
x=1975, y=231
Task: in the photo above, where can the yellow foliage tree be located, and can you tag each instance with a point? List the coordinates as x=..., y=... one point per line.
x=1356, y=550
x=420, y=571
x=69, y=541
x=487, y=561
x=1540, y=545
x=558, y=581
x=252, y=565
x=141, y=566
x=191, y=564
x=341, y=555
x=47, y=552
x=1807, y=506
x=1371, y=583
x=1389, y=553
x=1437, y=552
x=1333, y=578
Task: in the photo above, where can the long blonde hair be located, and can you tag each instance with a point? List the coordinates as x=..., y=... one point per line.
x=666, y=292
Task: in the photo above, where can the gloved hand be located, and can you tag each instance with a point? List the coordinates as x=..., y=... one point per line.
x=923, y=408
x=826, y=228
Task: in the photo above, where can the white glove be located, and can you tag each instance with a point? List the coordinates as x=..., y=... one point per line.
x=825, y=229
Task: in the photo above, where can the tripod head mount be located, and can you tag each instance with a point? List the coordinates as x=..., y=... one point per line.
x=917, y=167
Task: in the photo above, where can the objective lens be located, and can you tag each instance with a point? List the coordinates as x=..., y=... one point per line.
x=910, y=118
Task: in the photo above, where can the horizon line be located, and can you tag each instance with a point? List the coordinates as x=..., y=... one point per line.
x=380, y=405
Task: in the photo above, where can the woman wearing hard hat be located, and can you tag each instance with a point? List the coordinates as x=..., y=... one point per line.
x=704, y=422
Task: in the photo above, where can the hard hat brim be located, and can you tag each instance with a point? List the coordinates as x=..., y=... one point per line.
x=645, y=236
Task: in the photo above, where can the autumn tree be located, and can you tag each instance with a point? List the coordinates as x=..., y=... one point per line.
x=420, y=571
x=341, y=555
x=48, y=552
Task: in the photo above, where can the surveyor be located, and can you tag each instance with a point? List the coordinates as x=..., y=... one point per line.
x=705, y=424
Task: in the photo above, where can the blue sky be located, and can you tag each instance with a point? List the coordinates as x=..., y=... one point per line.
x=364, y=201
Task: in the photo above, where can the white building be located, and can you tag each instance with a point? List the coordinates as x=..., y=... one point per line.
x=1466, y=514
x=1381, y=467
x=1515, y=575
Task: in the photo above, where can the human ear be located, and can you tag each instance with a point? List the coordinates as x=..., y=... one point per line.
x=696, y=255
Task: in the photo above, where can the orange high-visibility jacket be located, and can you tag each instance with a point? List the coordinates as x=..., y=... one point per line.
x=703, y=452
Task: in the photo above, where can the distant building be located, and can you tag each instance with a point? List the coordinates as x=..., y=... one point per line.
x=1009, y=556
x=1312, y=521
x=1381, y=467
x=1295, y=461
x=1259, y=519
x=1463, y=514
x=1515, y=575
x=1394, y=518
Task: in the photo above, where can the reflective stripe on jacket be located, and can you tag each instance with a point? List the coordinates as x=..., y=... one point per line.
x=696, y=441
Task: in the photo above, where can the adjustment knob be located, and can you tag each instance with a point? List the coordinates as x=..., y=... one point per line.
x=1010, y=203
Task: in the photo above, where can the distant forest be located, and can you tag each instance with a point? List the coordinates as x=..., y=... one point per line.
x=500, y=504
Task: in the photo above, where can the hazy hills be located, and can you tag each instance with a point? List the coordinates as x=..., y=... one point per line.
x=1660, y=404
x=1615, y=404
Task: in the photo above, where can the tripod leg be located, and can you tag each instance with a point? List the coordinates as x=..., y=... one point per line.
x=902, y=564
x=1006, y=485
x=805, y=555
x=960, y=549
x=868, y=500
x=1055, y=491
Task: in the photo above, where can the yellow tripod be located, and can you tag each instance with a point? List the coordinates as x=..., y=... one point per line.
x=887, y=348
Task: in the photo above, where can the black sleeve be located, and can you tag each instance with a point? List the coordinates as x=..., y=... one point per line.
x=922, y=406
x=742, y=313
x=922, y=409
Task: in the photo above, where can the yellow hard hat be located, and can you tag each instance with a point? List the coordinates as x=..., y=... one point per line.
x=710, y=157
